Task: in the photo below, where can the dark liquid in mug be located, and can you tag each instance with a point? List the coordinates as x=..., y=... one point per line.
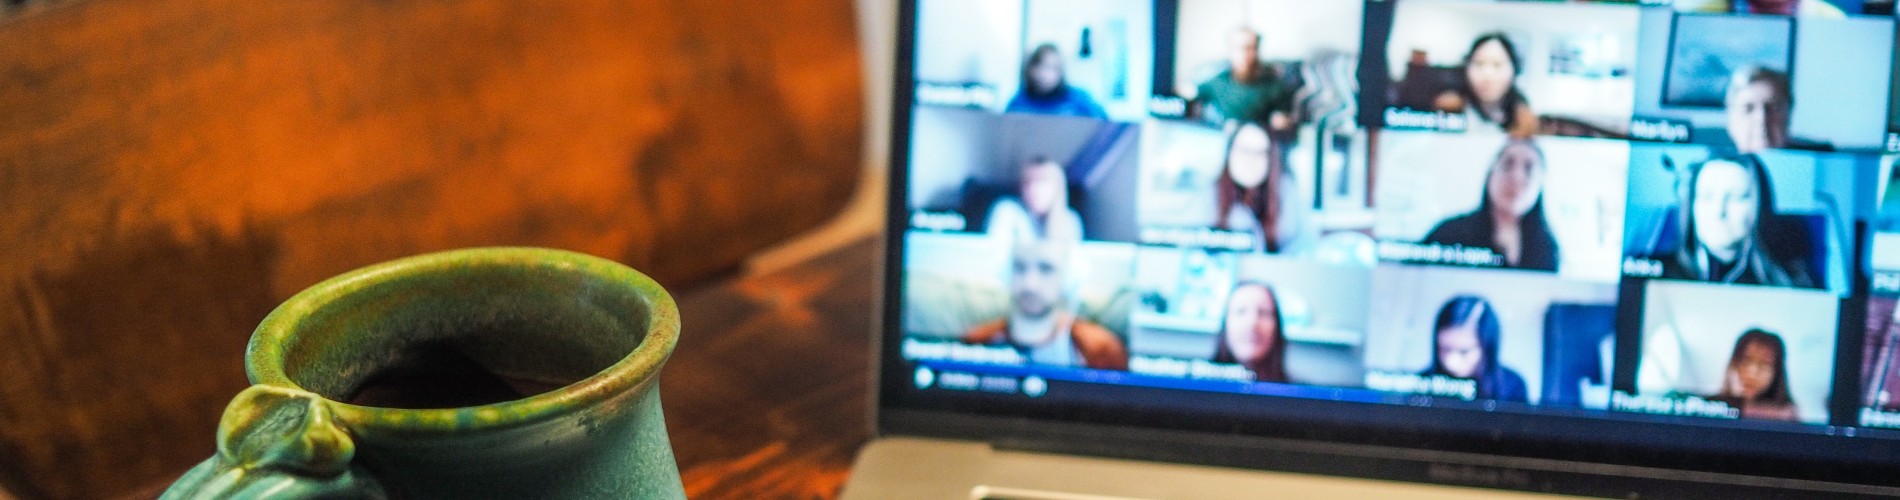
x=432, y=377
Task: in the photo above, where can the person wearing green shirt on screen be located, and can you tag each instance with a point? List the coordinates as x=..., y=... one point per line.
x=1250, y=90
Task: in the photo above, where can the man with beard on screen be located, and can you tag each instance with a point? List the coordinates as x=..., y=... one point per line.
x=1043, y=323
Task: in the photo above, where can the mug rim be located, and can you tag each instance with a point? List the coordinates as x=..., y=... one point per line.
x=266, y=352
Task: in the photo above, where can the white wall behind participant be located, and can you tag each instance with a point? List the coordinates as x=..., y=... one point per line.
x=971, y=41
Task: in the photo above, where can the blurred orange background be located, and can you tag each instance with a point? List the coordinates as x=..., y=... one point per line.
x=170, y=170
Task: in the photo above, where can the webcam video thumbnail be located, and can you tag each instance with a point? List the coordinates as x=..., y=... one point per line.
x=1043, y=302
x=1204, y=188
x=1016, y=174
x=1525, y=68
x=1734, y=352
x=1893, y=107
x=1817, y=9
x=1492, y=335
x=1492, y=200
x=1775, y=218
x=1813, y=81
x=1247, y=317
x=1885, y=230
x=1281, y=64
x=1880, y=378
x=1082, y=58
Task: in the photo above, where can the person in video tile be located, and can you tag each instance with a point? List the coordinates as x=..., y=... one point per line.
x=1730, y=216
x=1466, y=335
x=1250, y=90
x=1510, y=219
x=1759, y=105
x=1250, y=333
x=1045, y=91
x=1040, y=208
x=1489, y=91
x=1255, y=193
x=1757, y=378
x=1801, y=8
x=1042, y=322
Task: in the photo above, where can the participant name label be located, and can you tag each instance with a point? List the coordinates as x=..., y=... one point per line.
x=937, y=221
x=1885, y=283
x=1408, y=118
x=1870, y=417
x=1188, y=368
x=1683, y=406
x=1431, y=385
x=1433, y=253
x=1642, y=268
x=932, y=350
x=1167, y=106
x=1659, y=129
x=962, y=95
x=1200, y=237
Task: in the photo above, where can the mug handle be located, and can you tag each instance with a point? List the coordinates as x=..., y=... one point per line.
x=278, y=442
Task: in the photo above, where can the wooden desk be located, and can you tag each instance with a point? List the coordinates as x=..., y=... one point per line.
x=766, y=394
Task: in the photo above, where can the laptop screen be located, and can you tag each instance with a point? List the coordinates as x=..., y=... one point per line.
x=1635, y=232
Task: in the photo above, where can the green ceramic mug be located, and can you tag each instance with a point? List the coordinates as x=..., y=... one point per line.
x=481, y=373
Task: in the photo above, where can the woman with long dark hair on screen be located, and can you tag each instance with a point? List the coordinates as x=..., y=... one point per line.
x=1465, y=346
x=1045, y=91
x=1510, y=217
x=1488, y=92
x=1252, y=332
x=1255, y=193
x=1756, y=381
x=1730, y=228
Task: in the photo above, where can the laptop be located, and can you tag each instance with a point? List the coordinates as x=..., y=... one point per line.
x=1389, y=249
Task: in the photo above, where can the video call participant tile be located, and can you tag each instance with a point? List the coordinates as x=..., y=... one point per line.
x=1551, y=204
x=1734, y=352
x=1521, y=68
x=1483, y=334
x=1035, y=302
x=1201, y=187
x=1250, y=318
x=1014, y=174
x=1078, y=58
x=1776, y=218
x=1795, y=82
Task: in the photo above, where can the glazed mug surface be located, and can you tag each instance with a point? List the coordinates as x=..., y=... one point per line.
x=480, y=373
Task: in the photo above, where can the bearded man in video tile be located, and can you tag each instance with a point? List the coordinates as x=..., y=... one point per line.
x=1043, y=323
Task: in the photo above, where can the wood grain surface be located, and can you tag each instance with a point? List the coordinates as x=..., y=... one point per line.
x=766, y=394
x=172, y=169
